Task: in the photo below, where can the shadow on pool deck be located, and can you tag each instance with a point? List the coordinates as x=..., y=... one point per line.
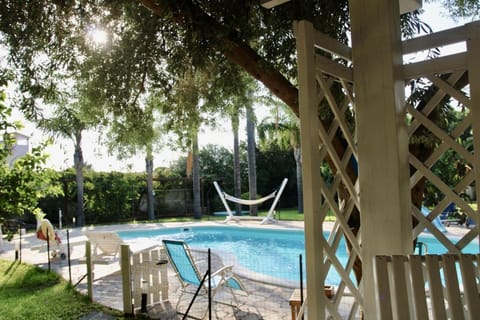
x=263, y=301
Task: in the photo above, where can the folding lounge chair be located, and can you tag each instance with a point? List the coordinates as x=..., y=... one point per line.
x=187, y=272
x=105, y=245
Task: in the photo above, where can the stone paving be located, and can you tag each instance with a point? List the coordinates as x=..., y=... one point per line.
x=263, y=301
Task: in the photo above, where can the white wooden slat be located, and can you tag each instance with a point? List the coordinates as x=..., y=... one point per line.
x=164, y=274
x=339, y=268
x=337, y=112
x=126, y=270
x=435, y=100
x=446, y=301
x=467, y=238
x=470, y=288
x=444, y=64
x=400, y=287
x=452, y=290
x=384, y=299
x=419, y=298
x=476, y=263
x=137, y=282
x=435, y=180
x=337, y=162
x=331, y=45
x=329, y=197
x=332, y=68
x=156, y=284
x=440, y=133
x=145, y=278
x=439, y=235
x=443, y=147
x=434, y=40
x=435, y=287
x=450, y=90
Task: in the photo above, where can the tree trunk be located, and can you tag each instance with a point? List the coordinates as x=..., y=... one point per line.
x=197, y=206
x=237, y=178
x=79, y=164
x=297, y=152
x=150, y=197
x=252, y=167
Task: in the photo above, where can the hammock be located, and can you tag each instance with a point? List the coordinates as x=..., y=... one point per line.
x=249, y=202
x=269, y=218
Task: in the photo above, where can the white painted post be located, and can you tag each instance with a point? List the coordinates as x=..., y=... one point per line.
x=316, y=299
x=60, y=219
x=473, y=65
x=164, y=275
x=88, y=256
x=126, y=280
x=382, y=136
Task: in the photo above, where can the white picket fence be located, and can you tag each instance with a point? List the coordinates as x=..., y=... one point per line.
x=143, y=272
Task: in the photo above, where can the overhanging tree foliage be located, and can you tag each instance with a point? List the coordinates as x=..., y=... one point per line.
x=149, y=47
x=26, y=181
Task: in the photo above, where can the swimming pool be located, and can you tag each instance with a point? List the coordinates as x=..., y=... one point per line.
x=258, y=253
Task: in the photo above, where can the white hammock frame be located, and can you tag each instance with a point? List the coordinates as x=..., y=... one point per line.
x=269, y=218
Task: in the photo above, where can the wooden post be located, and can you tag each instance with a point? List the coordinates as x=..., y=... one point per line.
x=164, y=274
x=88, y=255
x=310, y=169
x=382, y=137
x=126, y=281
x=473, y=65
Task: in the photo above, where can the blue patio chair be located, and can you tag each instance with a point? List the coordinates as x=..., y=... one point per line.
x=190, y=278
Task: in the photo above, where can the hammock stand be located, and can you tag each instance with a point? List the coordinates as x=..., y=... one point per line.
x=269, y=218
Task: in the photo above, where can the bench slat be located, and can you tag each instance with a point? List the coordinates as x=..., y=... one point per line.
x=402, y=283
x=470, y=286
x=384, y=301
x=418, y=286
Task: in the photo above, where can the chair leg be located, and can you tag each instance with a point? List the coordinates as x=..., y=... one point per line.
x=182, y=291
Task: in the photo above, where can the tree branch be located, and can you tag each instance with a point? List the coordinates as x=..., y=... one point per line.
x=234, y=49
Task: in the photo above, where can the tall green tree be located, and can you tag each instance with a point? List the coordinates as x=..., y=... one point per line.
x=283, y=130
x=146, y=45
x=68, y=124
x=251, y=155
x=126, y=138
x=27, y=181
x=461, y=8
x=237, y=176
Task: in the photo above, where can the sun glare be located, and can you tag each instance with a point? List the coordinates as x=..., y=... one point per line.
x=98, y=36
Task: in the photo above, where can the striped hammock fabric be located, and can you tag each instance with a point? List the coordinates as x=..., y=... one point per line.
x=250, y=202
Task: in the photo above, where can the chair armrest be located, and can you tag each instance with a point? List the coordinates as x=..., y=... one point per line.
x=225, y=272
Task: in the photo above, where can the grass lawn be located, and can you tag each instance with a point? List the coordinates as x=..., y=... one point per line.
x=281, y=214
x=28, y=292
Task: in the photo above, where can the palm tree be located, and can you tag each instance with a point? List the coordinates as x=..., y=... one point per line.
x=284, y=131
x=237, y=177
x=252, y=166
x=68, y=124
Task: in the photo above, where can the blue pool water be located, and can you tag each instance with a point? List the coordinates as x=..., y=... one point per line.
x=271, y=252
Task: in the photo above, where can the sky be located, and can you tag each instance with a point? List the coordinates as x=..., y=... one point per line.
x=61, y=153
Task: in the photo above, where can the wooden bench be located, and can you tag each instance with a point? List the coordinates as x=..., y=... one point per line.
x=428, y=287
x=296, y=302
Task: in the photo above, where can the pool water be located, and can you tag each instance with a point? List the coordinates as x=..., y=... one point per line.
x=270, y=252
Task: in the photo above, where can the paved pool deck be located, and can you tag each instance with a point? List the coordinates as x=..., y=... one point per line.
x=264, y=301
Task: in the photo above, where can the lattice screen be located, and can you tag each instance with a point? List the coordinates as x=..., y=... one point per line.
x=448, y=97
x=433, y=135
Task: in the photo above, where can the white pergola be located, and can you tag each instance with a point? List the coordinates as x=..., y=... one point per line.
x=371, y=78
